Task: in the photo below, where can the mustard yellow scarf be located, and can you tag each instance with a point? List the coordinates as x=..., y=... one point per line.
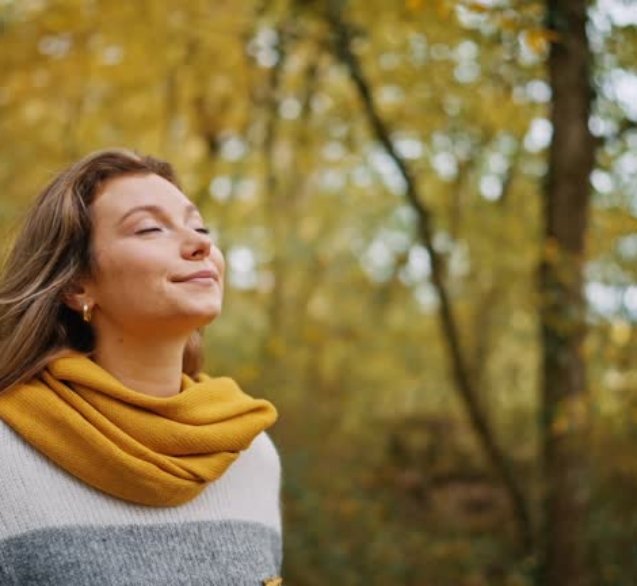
x=159, y=451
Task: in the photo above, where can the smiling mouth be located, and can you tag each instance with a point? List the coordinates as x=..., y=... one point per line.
x=201, y=277
x=199, y=280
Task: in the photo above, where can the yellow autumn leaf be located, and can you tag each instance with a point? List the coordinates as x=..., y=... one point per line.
x=538, y=39
x=414, y=5
x=620, y=332
x=477, y=7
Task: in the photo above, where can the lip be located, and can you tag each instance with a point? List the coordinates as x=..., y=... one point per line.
x=199, y=276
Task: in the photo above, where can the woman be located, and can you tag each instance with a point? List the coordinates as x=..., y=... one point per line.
x=121, y=463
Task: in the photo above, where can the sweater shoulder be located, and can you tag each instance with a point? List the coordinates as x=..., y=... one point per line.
x=35, y=493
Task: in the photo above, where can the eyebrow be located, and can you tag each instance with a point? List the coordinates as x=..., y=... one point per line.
x=188, y=211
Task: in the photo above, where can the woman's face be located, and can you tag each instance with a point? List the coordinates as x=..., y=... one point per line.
x=156, y=270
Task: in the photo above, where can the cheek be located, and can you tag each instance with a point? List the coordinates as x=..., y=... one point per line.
x=218, y=259
x=130, y=269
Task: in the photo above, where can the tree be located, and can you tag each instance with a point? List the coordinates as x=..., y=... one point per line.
x=562, y=305
x=459, y=367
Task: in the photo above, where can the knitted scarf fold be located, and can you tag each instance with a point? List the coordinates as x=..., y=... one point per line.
x=157, y=451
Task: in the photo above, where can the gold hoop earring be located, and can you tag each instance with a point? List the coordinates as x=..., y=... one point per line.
x=87, y=311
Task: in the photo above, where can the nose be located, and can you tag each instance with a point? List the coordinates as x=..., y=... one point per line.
x=195, y=245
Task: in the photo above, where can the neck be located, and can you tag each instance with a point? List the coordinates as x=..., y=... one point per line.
x=153, y=368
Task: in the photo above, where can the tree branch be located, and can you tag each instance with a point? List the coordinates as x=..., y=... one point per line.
x=464, y=385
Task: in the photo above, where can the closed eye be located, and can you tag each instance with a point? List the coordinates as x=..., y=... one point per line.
x=148, y=230
x=203, y=230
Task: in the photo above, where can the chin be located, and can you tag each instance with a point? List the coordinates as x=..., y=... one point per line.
x=204, y=318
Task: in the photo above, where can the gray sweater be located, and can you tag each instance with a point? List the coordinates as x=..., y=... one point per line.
x=57, y=531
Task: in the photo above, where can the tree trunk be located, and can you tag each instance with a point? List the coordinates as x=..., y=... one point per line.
x=562, y=304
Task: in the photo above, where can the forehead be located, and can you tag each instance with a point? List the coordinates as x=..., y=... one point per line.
x=121, y=194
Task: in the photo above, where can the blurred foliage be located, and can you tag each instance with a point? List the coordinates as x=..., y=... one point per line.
x=329, y=310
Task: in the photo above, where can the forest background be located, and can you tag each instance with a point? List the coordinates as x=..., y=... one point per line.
x=428, y=210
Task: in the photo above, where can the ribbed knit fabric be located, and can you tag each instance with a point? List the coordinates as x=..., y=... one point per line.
x=56, y=530
x=159, y=451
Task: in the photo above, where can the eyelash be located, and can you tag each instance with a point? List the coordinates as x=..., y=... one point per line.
x=148, y=230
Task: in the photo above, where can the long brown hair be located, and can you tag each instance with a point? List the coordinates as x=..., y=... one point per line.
x=51, y=252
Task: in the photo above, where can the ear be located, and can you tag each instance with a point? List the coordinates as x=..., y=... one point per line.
x=76, y=296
